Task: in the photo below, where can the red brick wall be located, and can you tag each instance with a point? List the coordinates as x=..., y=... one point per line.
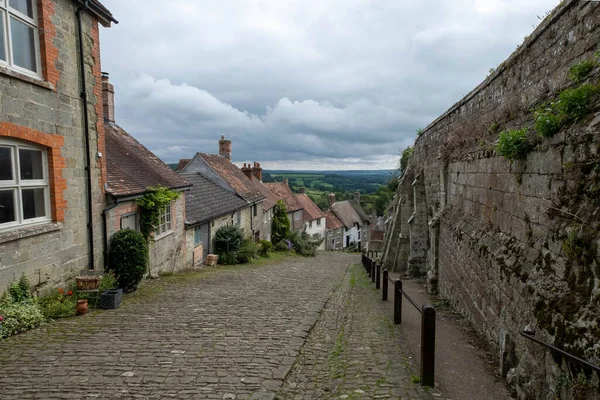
x=49, y=52
x=97, y=72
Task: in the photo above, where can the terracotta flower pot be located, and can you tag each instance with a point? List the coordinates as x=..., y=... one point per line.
x=82, y=307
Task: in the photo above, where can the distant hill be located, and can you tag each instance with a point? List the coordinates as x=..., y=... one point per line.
x=358, y=172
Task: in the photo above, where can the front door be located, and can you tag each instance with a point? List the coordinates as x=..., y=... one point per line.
x=205, y=241
x=348, y=241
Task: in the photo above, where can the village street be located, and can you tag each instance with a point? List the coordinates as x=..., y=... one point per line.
x=224, y=333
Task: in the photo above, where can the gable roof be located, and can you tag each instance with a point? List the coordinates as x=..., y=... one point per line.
x=234, y=177
x=206, y=200
x=331, y=221
x=346, y=213
x=359, y=210
x=283, y=192
x=131, y=168
x=270, y=198
x=311, y=210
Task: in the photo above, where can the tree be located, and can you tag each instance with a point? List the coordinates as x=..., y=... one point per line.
x=280, y=229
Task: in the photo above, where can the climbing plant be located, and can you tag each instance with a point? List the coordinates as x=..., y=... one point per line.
x=281, y=224
x=151, y=203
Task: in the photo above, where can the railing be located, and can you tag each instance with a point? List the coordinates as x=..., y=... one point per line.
x=427, y=369
x=585, y=364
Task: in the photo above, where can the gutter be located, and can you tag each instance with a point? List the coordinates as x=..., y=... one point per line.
x=86, y=130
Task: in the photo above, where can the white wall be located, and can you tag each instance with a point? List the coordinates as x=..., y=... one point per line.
x=320, y=230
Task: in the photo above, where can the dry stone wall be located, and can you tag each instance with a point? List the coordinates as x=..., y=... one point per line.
x=514, y=244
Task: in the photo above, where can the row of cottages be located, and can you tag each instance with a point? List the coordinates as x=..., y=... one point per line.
x=347, y=224
x=52, y=147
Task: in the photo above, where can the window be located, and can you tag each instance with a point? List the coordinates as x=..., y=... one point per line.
x=297, y=215
x=165, y=221
x=238, y=218
x=319, y=222
x=309, y=224
x=24, y=184
x=255, y=210
x=129, y=221
x=19, y=39
x=358, y=235
x=197, y=236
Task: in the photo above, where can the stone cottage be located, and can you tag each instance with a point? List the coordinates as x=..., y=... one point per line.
x=131, y=170
x=52, y=165
x=295, y=211
x=334, y=233
x=355, y=221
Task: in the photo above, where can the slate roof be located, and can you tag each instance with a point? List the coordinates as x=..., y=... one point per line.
x=283, y=192
x=311, y=210
x=206, y=200
x=99, y=10
x=346, y=213
x=331, y=221
x=270, y=198
x=131, y=168
x=234, y=177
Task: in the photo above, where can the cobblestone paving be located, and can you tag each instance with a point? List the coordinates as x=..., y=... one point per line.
x=354, y=351
x=222, y=334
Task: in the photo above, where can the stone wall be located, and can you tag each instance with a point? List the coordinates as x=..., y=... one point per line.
x=514, y=244
x=48, y=112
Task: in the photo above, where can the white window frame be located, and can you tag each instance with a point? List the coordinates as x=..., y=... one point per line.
x=309, y=224
x=319, y=222
x=17, y=184
x=5, y=13
x=196, y=230
x=297, y=215
x=165, y=225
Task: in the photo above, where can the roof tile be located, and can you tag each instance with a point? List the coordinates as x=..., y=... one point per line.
x=311, y=210
x=283, y=192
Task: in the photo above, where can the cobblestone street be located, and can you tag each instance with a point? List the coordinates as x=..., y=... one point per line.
x=221, y=334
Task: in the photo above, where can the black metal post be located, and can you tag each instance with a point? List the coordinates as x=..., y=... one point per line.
x=428, y=345
x=378, y=277
x=384, y=292
x=397, y=301
x=373, y=271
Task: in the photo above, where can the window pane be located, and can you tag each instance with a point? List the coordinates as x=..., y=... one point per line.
x=7, y=206
x=34, y=204
x=2, y=49
x=23, y=45
x=23, y=6
x=6, y=168
x=31, y=164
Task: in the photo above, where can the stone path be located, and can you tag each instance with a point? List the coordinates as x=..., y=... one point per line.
x=354, y=351
x=226, y=333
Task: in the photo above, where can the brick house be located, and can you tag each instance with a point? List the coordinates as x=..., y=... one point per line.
x=220, y=170
x=314, y=219
x=52, y=168
x=208, y=207
x=294, y=209
x=131, y=169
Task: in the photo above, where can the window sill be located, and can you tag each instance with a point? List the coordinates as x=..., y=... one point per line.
x=22, y=232
x=5, y=71
x=163, y=235
x=199, y=244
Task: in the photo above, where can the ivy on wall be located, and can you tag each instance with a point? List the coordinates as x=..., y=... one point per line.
x=154, y=200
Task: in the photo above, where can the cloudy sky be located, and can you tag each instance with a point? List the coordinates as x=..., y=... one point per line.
x=301, y=84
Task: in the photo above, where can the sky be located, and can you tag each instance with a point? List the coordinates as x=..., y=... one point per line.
x=301, y=84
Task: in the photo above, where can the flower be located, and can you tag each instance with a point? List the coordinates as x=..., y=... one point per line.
x=61, y=291
x=70, y=293
x=1, y=318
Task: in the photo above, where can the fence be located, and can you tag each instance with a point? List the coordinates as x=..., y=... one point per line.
x=381, y=280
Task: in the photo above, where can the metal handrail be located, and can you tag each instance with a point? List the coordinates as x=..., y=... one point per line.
x=411, y=301
x=570, y=356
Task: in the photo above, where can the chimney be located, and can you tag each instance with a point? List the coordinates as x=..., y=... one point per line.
x=357, y=197
x=257, y=171
x=285, y=181
x=225, y=148
x=302, y=190
x=247, y=170
x=108, y=98
x=331, y=199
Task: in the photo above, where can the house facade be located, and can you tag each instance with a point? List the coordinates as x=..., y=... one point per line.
x=334, y=233
x=295, y=212
x=131, y=170
x=314, y=219
x=52, y=167
x=355, y=221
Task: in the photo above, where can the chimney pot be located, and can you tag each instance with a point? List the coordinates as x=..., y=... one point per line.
x=225, y=148
x=108, y=98
x=285, y=180
x=302, y=190
x=257, y=171
x=247, y=170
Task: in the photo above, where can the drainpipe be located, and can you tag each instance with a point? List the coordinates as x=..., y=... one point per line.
x=86, y=128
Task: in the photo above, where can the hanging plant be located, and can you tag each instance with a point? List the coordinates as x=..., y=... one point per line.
x=151, y=203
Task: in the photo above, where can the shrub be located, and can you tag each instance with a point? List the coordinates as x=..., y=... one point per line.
x=265, y=248
x=579, y=71
x=227, y=242
x=575, y=103
x=280, y=229
x=281, y=246
x=406, y=155
x=247, y=252
x=547, y=123
x=128, y=258
x=303, y=245
x=514, y=144
x=58, y=304
x=108, y=281
x=19, y=317
x=21, y=290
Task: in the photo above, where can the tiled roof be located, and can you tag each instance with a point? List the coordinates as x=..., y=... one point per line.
x=234, y=177
x=206, y=200
x=311, y=210
x=331, y=221
x=98, y=9
x=182, y=163
x=270, y=198
x=283, y=192
x=131, y=168
x=346, y=213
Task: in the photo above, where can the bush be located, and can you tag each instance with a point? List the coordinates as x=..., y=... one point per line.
x=514, y=144
x=303, y=245
x=19, y=317
x=247, y=252
x=280, y=228
x=108, y=281
x=579, y=71
x=547, y=123
x=58, y=304
x=575, y=103
x=227, y=242
x=21, y=290
x=128, y=258
x=265, y=248
x=282, y=245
